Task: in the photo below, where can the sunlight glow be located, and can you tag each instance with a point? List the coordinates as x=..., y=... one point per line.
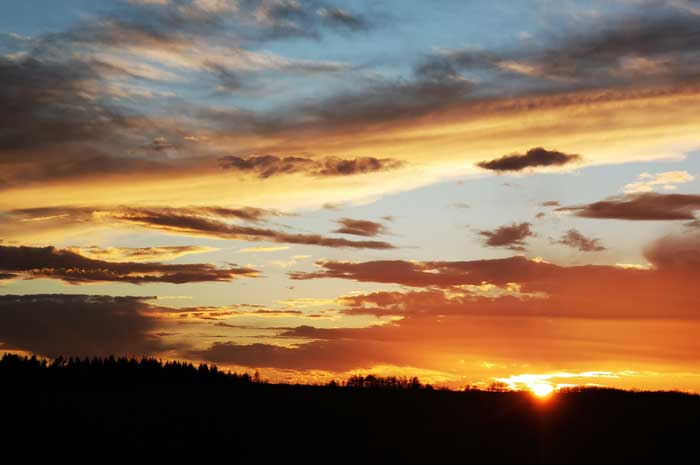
x=542, y=389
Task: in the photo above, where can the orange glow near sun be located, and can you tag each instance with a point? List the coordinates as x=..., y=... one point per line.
x=542, y=389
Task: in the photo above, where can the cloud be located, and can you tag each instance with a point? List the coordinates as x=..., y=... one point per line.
x=68, y=266
x=48, y=114
x=441, y=274
x=140, y=254
x=288, y=18
x=494, y=310
x=536, y=157
x=337, y=17
x=320, y=355
x=360, y=227
x=276, y=248
x=574, y=239
x=82, y=325
x=633, y=49
x=125, y=50
x=234, y=311
x=534, y=276
x=641, y=207
x=510, y=236
x=520, y=287
x=680, y=253
x=76, y=102
x=214, y=222
x=451, y=329
x=210, y=224
x=49, y=105
x=550, y=203
x=265, y=166
x=667, y=180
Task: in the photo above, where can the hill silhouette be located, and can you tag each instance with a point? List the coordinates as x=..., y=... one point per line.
x=127, y=410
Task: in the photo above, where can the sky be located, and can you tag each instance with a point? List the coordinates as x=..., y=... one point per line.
x=470, y=192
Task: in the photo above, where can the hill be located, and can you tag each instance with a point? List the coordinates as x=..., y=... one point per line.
x=126, y=410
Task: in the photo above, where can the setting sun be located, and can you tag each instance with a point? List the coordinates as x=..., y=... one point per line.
x=542, y=389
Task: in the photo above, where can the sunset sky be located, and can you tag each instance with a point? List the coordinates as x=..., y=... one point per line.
x=465, y=191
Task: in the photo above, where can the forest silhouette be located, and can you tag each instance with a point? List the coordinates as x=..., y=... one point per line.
x=124, y=410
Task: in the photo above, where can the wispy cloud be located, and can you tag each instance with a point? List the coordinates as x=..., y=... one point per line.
x=265, y=166
x=667, y=181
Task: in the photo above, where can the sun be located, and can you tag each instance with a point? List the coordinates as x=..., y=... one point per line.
x=542, y=389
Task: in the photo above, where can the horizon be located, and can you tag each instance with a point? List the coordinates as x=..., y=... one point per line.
x=481, y=192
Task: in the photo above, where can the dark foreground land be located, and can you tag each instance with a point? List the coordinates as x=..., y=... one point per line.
x=128, y=411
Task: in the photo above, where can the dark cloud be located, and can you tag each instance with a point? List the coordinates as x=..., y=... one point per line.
x=181, y=21
x=228, y=80
x=536, y=157
x=510, y=236
x=536, y=288
x=550, y=203
x=653, y=46
x=680, y=253
x=599, y=310
x=140, y=23
x=442, y=81
x=533, y=276
x=574, y=239
x=360, y=227
x=59, y=122
x=50, y=101
x=376, y=102
x=211, y=225
x=335, y=355
x=662, y=37
x=427, y=92
x=69, y=266
x=265, y=166
x=82, y=325
x=286, y=18
x=641, y=207
x=212, y=222
x=46, y=102
x=436, y=273
x=332, y=166
x=68, y=108
x=335, y=17
x=562, y=300
x=586, y=312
